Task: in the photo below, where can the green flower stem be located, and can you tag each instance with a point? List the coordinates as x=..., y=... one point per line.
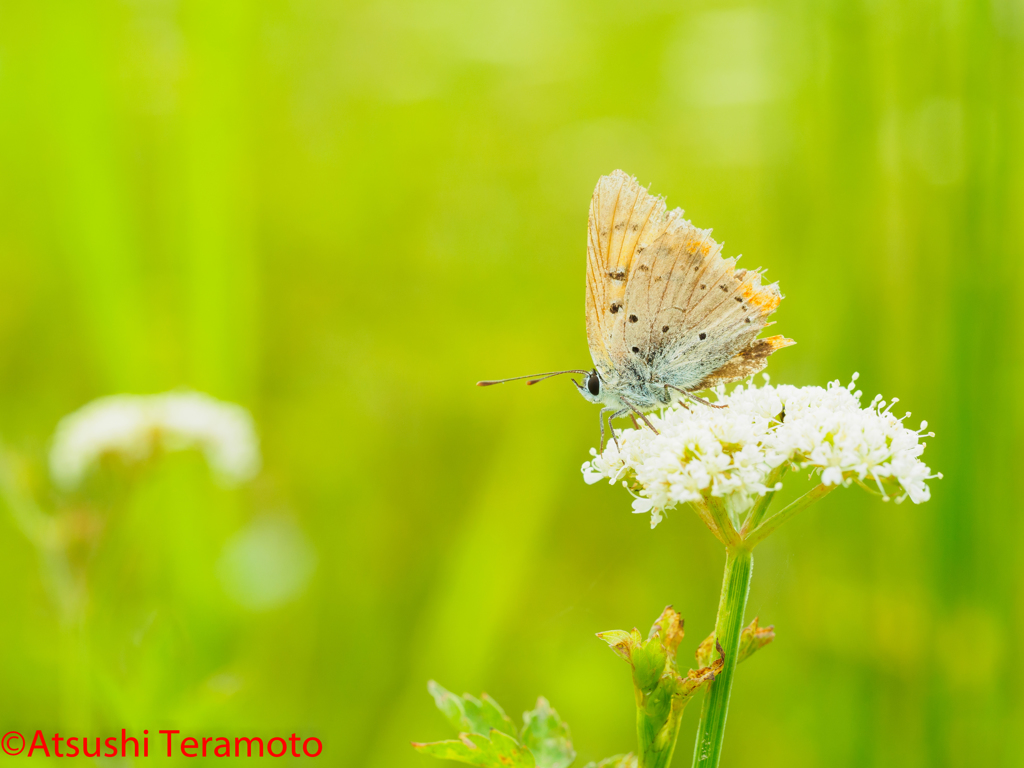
x=720, y=515
x=757, y=535
x=655, y=750
x=739, y=564
x=761, y=507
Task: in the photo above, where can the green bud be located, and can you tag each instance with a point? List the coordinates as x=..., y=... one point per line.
x=661, y=692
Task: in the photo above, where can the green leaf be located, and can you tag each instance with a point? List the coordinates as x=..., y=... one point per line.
x=467, y=713
x=488, y=735
x=547, y=736
x=621, y=642
x=618, y=761
x=498, y=751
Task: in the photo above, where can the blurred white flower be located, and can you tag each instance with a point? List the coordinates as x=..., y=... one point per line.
x=134, y=426
x=732, y=453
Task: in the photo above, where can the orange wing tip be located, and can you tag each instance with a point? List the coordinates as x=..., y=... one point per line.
x=764, y=297
x=778, y=342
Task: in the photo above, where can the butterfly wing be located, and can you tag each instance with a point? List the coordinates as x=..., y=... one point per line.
x=623, y=219
x=663, y=306
x=698, y=317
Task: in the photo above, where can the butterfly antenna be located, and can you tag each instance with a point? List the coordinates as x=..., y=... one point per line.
x=535, y=377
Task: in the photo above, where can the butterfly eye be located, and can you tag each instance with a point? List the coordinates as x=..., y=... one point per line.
x=594, y=384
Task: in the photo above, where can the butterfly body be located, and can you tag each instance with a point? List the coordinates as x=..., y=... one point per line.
x=640, y=394
x=639, y=387
x=667, y=315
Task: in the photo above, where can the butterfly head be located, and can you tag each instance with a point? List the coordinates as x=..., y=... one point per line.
x=591, y=388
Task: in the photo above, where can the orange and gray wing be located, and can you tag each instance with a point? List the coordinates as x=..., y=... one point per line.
x=698, y=315
x=624, y=220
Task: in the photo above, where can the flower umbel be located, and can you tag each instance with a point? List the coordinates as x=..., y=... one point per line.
x=731, y=458
x=134, y=426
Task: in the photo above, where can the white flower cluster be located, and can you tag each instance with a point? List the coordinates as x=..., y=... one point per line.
x=134, y=426
x=731, y=453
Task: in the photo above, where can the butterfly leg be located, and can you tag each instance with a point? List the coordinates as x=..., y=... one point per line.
x=616, y=415
x=612, y=414
x=690, y=396
x=600, y=421
x=639, y=413
x=702, y=401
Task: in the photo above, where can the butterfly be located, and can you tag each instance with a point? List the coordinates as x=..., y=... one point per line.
x=667, y=315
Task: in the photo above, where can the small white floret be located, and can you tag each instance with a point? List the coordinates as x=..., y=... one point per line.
x=730, y=453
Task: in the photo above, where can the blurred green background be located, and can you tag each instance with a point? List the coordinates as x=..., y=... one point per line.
x=341, y=215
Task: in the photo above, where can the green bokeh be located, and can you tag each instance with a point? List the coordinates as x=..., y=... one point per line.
x=342, y=214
